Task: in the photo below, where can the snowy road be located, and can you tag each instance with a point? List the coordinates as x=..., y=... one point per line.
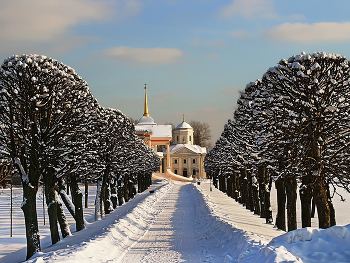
x=186, y=222
x=171, y=236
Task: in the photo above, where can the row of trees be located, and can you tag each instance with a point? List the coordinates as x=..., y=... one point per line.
x=53, y=128
x=290, y=127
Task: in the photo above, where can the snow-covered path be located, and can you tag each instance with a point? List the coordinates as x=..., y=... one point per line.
x=186, y=222
x=171, y=236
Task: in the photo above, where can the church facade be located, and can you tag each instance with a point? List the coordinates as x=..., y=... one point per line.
x=183, y=158
x=186, y=159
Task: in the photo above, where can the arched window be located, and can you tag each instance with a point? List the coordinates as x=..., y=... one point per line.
x=190, y=138
x=177, y=138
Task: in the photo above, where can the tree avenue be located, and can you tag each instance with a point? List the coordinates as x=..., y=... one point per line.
x=291, y=127
x=53, y=128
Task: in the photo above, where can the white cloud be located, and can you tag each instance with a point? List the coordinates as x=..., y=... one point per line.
x=310, y=33
x=250, y=9
x=38, y=20
x=26, y=23
x=145, y=55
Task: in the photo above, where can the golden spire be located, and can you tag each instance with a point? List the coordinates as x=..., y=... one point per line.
x=183, y=117
x=146, y=106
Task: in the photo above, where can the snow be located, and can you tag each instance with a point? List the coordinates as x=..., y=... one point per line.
x=160, y=131
x=183, y=125
x=194, y=148
x=179, y=222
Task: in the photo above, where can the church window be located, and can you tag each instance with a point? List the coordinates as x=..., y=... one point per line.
x=190, y=138
x=177, y=138
x=193, y=160
x=183, y=139
x=194, y=171
x=175, y=171
x=175, y=161
x=184, y=160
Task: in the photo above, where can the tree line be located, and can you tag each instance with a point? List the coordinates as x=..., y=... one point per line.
x=52, y=128
x=290, y=127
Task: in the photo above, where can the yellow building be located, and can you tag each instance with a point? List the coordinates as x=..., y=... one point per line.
x=152, y=133
x=186, y=159
x=183, y=158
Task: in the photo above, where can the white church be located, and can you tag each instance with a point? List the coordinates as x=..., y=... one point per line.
x=183, y=158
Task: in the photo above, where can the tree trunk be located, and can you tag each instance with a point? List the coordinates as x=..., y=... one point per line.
x=291, y=190
x=215, y=180
x=305, y=193
x=125, y=188
x=64, y=196
x=103, y=193
x=86, y=191
x=281, y=204
x=250, y=203
x=98, y=202
x=244, y=187
x=114, y=197
x=233, y=185
x=268, y=209
x=256, y=196
x=52, y=204
x=30, y=188
x=120, y=191
x=313, y=206
x=30, y=218
x=108, y=202
x=229, y=185
x=236, y=184
x=78, y=204
x=62, y=219
x=331, y=207
x=320, y=195
x=262, y=190
x=131, y=188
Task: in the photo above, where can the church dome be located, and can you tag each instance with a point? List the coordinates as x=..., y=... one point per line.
x=144, y=120
x=184, y=125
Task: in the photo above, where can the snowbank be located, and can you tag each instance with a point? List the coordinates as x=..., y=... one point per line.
x=302, y=245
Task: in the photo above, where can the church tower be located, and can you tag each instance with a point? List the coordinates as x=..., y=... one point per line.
x=183, y=133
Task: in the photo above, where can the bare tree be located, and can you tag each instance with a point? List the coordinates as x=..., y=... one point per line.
x=201, y=134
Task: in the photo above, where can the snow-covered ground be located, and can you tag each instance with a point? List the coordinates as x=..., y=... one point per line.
x=179, y=222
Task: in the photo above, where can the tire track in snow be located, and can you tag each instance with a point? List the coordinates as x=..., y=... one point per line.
x=171, y=237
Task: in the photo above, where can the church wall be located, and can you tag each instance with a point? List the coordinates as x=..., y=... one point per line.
x=179, y=166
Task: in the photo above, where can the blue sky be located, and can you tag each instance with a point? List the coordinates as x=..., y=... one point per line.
x=194, y=55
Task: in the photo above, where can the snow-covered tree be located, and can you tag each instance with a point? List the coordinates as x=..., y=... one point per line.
x=42, y=102
x=314, y=93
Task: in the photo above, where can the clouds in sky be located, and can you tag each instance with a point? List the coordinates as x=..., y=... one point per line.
x=156, y=55
x=250, y=9
x=37, y=22
x=310, y=33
